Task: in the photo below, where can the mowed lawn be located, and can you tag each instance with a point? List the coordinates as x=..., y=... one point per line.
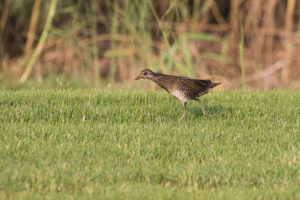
x=129, y=145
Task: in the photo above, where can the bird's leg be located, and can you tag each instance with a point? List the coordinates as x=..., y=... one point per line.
x=204, y=113
x=184, y=106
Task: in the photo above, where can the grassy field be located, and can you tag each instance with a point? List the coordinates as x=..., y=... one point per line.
x=130, y=145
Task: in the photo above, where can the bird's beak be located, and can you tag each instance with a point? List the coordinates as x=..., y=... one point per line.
x=139, y=77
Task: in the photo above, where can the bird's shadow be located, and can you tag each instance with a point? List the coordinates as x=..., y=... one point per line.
x=211, y=110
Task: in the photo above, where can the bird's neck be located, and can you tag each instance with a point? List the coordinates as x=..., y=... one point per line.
x=157, y=78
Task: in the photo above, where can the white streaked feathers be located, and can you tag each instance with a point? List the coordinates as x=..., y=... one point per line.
x=179, y=95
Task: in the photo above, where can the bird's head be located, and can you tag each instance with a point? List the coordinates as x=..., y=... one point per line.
x=145, y=74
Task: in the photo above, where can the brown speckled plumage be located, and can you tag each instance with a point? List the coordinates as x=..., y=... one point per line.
x=182, y=88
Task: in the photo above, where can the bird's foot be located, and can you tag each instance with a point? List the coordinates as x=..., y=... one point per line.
x=182, y=117
x=202, y=108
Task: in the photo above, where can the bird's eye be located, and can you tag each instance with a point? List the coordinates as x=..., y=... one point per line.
x=145, y=74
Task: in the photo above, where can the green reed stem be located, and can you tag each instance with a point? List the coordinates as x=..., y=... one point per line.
x=41, y=42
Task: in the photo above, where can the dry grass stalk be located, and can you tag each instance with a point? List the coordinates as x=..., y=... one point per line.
x=32, y=27
x=5, y=12
x=288, y=29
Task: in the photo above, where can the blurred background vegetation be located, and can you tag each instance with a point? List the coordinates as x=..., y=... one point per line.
x=251, y=44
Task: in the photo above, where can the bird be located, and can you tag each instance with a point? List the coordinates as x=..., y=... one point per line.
x=182, y=88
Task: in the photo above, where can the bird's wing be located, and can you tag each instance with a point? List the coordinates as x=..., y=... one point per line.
x=196, y=82
x=197, y=87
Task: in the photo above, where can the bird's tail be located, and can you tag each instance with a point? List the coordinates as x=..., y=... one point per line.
x=212, y=85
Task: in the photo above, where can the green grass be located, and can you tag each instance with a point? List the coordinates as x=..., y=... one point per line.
x=130, y=145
